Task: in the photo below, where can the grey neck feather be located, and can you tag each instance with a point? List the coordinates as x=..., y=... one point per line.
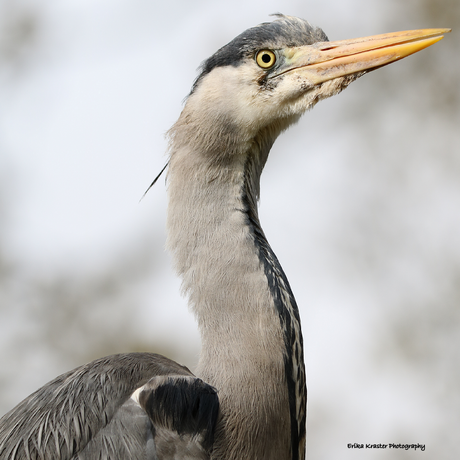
x=251, y=339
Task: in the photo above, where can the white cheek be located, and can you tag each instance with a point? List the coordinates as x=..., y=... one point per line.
x=239, y=98
x=233, y=93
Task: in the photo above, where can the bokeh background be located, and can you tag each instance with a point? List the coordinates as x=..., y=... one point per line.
x=360, y=200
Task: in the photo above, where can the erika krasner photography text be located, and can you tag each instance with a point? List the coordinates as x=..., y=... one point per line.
x=390, y=445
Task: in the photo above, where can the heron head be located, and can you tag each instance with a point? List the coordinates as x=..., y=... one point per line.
x=269, y=75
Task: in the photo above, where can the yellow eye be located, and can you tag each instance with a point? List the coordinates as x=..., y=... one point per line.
x=265, y=59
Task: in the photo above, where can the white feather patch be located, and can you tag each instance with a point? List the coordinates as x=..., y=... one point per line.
x=135, y=395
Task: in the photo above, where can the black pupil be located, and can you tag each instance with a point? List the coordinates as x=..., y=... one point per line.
x=266, y=58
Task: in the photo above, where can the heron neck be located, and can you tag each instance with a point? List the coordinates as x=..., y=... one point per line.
x=213, y=234
x=249, y=323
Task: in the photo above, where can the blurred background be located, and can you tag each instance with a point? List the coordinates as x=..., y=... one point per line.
x=360, y=201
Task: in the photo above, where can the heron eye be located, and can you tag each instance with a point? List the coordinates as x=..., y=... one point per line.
x=265, y=59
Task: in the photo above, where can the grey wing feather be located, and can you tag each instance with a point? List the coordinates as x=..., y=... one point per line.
x=129, y=435
x=88, y=413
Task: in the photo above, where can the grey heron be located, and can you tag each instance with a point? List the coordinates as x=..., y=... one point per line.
x=248, y=397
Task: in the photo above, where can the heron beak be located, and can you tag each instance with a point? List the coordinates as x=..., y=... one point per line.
x=328, y=60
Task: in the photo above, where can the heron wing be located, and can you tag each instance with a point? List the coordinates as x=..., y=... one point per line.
x=88, y=413
x=129, y=435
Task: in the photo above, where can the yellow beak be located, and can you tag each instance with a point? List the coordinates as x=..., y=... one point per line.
x=328, y=60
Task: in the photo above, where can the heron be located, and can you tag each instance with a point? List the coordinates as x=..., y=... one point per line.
x=247, y=398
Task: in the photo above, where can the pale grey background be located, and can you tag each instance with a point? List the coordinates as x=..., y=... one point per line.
x=360, y=201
